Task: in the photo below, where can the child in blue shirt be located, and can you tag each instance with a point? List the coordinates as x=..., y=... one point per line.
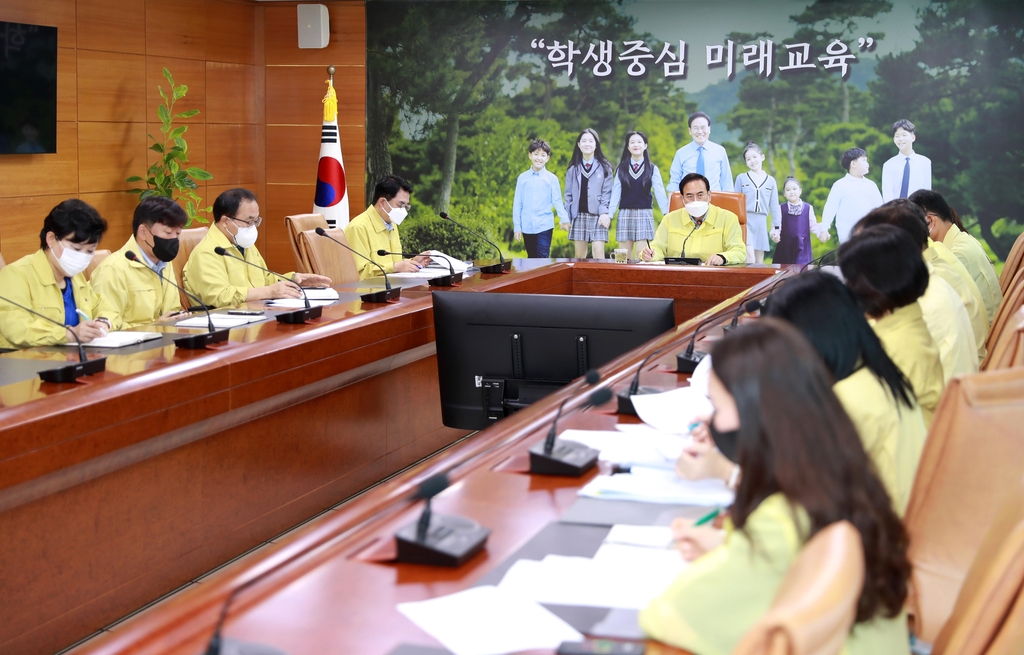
x=537, y=191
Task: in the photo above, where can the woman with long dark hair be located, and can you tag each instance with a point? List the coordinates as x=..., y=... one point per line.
x=803, y=468
x=637, y=184
x=588, y=194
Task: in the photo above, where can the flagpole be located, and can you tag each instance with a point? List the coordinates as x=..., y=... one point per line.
x=331, y=199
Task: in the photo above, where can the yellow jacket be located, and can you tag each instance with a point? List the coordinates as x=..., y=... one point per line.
x=970, y=253
x=130, y=293
x=367, y=234
x=714, y=601
x=949, y=268
x=719, y=234
x=30, y=282
x=223, y=281
x=906, y=340
x=950, y=327
x=893, y=434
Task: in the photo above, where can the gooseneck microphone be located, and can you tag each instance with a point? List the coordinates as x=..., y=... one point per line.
x=818, y=261
x=297, y=316
x=437, y=538
x=188, y=341
x=502, y=267
x=68, y=372
x=625, y=397
x=555, y=456
x=441, y=280
x=375, y=296
x=686, y=362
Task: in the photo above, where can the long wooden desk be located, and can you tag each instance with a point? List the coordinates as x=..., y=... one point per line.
x=118, y=490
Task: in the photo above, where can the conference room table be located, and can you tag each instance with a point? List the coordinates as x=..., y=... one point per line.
x=126, y=485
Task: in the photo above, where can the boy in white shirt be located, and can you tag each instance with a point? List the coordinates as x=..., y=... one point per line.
x=908, y=171
x=852, y=196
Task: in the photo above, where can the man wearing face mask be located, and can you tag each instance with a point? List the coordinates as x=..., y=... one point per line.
x=130, y=295
x=699, y=229
x=377, y=229
x=52, y=282
x=224, y=281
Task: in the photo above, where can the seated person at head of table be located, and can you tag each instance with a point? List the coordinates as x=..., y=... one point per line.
x=803, y=468
x=377, y=229
x=52, y=282
x=884, y=269
x=709, y=233
x=129, y=294
x=223, y=281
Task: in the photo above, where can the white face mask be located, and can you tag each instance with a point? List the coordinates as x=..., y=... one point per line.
x=697, y=208
x=73, y=262
x=246, y=236
x=397, y=214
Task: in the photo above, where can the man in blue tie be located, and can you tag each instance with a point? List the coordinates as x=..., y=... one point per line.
x=908, y=171
x=702, y=157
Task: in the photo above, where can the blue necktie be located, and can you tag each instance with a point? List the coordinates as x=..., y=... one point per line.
x=700, y=161
x=905, y=187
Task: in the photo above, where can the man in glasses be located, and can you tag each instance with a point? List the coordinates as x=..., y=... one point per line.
x=223, y=281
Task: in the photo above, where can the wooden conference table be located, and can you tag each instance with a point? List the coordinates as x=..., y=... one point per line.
x=123, y=487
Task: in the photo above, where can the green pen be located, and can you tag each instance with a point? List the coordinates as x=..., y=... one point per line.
x=707, y=518
x=85, y=317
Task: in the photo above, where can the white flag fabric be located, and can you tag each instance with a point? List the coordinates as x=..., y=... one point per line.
x=331, y=189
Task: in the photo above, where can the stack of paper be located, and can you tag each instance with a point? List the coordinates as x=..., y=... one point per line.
x=321, y=294
x=220, y=321
x=646, y=448
x=442, y=260
x=297, y=303
x=656, y=485
x=489, y=621
x=647, y=536
x=120, y=339
x=672, y=411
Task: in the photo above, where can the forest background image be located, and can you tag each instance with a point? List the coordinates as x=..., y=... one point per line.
x=455, y=93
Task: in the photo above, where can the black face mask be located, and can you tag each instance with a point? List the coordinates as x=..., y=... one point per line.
x=164, y=249
x=724, y=441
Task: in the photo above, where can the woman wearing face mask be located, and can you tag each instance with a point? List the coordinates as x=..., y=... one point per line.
x=52, y=282
x=700, y=230
x=803, y=469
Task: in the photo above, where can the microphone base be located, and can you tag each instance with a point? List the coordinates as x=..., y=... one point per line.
x=200, y=341
x=450, y=541
x=683, y=261
x=497, y=269
x=446, y=280
x=688, y=363
x=626, y=402
x=72, y=372
x=567, y=458
x=300, y=315
x=384, y=295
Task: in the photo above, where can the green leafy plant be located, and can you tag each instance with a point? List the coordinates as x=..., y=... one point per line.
x=170, y=176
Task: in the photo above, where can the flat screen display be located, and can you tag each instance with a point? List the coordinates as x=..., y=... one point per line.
x=28, y=89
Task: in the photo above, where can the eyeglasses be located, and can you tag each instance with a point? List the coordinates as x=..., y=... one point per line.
x=256, y=223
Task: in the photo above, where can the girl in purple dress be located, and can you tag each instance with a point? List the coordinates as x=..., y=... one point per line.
x=798, y=222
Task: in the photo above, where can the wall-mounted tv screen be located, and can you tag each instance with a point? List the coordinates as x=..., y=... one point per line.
x=28, y=88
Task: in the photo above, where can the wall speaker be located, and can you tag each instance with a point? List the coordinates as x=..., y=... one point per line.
x=314, y=26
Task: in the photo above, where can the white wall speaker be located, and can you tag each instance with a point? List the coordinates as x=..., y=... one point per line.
x=314, y=26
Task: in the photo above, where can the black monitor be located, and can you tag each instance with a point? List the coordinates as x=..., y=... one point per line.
x=499, y=352
x=28, y=88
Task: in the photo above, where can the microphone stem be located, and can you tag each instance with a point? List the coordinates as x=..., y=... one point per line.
x=424, y=523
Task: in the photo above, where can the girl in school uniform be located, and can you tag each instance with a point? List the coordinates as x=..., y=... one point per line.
x=637, y=184
x=798, y=223
x=588, y=193
x=762, y=192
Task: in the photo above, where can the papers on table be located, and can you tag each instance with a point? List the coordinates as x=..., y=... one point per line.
x=297, y=303
x=658, y=485
x=672, y=411
x=700, y=379
x=489, y=621
x=120, y=339
x=647, y=448
x=220, y=321
x=422, y=274
x=647, y=536
x=319, y=294
x=443, y=260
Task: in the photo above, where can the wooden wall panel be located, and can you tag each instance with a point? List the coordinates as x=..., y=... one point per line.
x=112, y=25
x=109, y=87
x=231, y=93
x=67, y=84
x=118, y=208
x=297, y=149
x=348, y=36
x=229, y=30
x=19, y=174
x=177, y=29
x=20, y=221
x=60, y=13
x=232, y=161
x=294, y=94
x=108, y=153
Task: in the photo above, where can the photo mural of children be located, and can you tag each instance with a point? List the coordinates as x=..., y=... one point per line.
x=798, y=223
x=637, y=184
x=908, y=171
x=537, y=191
x=852, y=196
x=588, y=194
x=762, y=192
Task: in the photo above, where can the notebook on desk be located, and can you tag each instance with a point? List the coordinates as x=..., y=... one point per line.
x=119, y=339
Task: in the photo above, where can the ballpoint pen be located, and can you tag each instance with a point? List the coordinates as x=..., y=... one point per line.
x=708, y=518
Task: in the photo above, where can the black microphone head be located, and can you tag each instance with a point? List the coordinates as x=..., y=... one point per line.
x=443, y=215
x=432, y=486
x=593, y=377
x=130, y=256
x=600, y=397
x=752, y=306
x=382, y=252
x=220, y=251
x=321, y=231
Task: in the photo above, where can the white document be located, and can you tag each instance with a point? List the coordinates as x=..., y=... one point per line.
x=672, y=411
x=297, y=303
x=120, y=339
x=651, y=448
x=220, y=321
x=443, y=260
x=656, y=485
x=700, y=379
x=422, y=274
x=647, y=536
x=489, y=621
x=321, y=294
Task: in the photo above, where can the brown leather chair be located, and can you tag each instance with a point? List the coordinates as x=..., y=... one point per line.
x=296, y=225
x=1008, y=350
x=188, y=240
x=993, y=585
x=728, y=200
x=97, y=257
x=328, y=258
x=1014, y=263
x=815, y=607
x=972, y=454
x=1013, y=300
